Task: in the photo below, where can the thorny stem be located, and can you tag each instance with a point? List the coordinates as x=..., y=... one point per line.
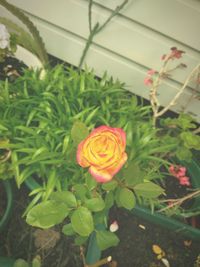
x=179, y=201
x=173, y=101
x=153, y=92
x=97, y=28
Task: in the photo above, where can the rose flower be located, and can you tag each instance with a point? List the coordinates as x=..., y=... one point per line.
x=103, y=151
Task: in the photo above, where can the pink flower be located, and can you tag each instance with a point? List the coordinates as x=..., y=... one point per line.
x=151, y=72
x=184, y=181
x=181, y=171
x=177, y=171
x=175, y=53
x=148, y=81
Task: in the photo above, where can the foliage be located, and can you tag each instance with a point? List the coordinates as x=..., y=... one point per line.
x=31, y=40
x=43, y=122
x=36, y=262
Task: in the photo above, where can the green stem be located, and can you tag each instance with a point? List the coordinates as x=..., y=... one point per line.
x=97, y=28
x=113, y=14
x=88, y=44
x=33, y=30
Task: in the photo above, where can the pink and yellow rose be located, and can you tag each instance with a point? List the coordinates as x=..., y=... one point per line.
x=103, y=151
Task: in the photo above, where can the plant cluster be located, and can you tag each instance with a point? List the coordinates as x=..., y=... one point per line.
x=46, y=133
x=89, y=144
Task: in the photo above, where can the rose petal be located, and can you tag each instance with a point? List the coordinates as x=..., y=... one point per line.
x=115, y=169
x=100, y=176
x=80, y=156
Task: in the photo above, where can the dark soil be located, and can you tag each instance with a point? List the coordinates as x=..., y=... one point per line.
x=2, y=200
x=11, y=68
x=137, y=237
x=19, y=240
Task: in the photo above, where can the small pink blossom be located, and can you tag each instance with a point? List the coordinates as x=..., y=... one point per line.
x=175, y=53
x=151, y=72
x=184, y=181
x=148, y=81
x=181, y=171
x=114, y=226
x=177, y=171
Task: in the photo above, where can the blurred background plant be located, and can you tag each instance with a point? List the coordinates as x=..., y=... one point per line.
x=7, y=43
x=31, y=39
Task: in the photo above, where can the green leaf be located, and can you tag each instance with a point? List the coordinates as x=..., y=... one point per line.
x=82, y=221
x=79, y=132
x=95, y=204
x=110, y=185
x=68, y=229
x=66, y=197
x=90, y=181
x=80, y=240
x=127, y=198
x=36, y=262
x=133, y=174
x=190, y=140
x=27, y=172
x=14, y=159
x=47, y=214
x=20, y=263
x=51, y=183
x=109, y=200
x=80, y=191
x=106, y=239
x=183, y=153
x=148, y=190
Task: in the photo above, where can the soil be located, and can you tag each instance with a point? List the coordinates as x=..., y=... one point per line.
x=11, y=68
x=137, y=237
x=2, y=200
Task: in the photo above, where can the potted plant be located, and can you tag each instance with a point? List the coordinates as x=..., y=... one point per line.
x=48, y=142
x=75, y=122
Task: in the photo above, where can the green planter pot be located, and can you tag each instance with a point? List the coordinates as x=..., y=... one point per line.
x=9, y=204
x=4, y=261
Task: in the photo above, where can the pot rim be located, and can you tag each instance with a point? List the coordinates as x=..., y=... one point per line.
x=9, y=199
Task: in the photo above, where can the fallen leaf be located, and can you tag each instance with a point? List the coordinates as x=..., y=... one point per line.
x=156, y=249
x=46, y=239
x=187, y=243
x=142, y=226
x=165, y=262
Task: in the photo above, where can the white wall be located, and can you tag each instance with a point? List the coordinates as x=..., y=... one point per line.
x=131, y=44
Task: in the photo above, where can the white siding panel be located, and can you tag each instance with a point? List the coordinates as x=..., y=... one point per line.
x=132, y=42
x=122, y=36
x=179, y=19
